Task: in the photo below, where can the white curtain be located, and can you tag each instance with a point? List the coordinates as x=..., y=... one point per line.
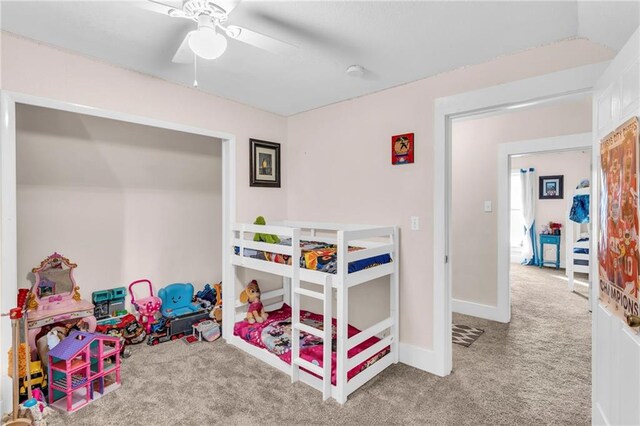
x=529, y=248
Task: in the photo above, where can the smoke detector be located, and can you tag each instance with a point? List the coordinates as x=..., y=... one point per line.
x=356, y=71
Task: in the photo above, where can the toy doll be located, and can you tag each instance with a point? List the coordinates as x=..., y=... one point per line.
x=251, y=295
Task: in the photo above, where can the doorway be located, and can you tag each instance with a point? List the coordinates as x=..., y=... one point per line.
x=482, y=148
x=560, y=227
x=532, y=91
x=487, y=155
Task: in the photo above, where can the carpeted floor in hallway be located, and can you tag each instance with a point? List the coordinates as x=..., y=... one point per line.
x=535, y=370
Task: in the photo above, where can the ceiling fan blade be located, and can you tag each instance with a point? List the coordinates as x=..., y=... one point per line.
x=162, y=8
x=261, y=41
x=227, y=5
x=184, y=55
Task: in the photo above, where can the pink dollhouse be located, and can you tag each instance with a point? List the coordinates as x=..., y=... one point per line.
x=83, y=367
x=55, y=297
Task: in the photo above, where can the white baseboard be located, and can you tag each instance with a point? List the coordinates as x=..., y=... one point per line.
x=420, y=358
x=478, y=310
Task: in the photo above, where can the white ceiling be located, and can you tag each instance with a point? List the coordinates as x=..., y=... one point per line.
x=397, y=42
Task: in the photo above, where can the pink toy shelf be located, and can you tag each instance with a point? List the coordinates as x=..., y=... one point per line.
x=83, y=367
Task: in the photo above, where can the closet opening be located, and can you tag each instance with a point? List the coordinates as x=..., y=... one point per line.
x=124, y=201
x=124, y=197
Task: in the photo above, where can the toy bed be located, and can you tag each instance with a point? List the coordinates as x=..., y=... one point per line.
x=326, y=353
x=577, y=237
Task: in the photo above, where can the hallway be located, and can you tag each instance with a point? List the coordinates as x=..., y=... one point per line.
x=538, y=366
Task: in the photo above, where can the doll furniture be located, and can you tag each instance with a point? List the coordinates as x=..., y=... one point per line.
x=83, y=367
x=177, y=300
x=147, y=306
x=55, y=297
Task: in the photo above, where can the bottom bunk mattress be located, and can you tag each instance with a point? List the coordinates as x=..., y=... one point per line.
x=274, y=335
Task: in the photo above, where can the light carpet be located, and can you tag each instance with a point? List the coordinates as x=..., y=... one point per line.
x=535, y=370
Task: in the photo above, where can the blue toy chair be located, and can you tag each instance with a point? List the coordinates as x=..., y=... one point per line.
x=177, y=300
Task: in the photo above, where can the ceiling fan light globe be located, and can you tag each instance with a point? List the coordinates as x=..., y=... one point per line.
x=207, y=44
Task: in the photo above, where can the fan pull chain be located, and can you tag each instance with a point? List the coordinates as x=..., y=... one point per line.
x=195, y=70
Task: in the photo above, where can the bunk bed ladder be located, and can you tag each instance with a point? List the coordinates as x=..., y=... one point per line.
x=325, y=334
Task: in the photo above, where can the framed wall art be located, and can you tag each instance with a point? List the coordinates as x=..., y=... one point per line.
x=551, y=187
x=402, y=149
x=264, y=164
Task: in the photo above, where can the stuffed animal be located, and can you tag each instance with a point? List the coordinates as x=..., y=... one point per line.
x=265, y=238
x=52, y=339
x=216, y=312
x=251, y=295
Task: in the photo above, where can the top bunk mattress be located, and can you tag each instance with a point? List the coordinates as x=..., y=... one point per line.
x=317, y=256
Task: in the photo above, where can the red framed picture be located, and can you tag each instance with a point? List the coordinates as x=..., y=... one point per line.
x=402, y=149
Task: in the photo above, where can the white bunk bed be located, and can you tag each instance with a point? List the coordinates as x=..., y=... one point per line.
x=374, y=241
x=577, y=243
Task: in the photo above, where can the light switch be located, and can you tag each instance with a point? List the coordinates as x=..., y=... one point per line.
x=415, y=223
x=487, y=207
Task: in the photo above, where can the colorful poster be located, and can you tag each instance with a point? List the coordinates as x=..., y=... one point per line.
x=402, y=149
x=618, y=255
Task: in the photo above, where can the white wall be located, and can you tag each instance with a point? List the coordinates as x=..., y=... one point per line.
x=474, y=180
x=575, y=166
x=121, y=200
x=340, y=167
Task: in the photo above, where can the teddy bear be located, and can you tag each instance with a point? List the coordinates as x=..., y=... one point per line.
x=216, y=312
x=251, y=295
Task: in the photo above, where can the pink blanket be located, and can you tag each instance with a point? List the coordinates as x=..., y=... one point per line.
x=274, y=335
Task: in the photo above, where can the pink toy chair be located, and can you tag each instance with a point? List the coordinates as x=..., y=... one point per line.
x=147, y=306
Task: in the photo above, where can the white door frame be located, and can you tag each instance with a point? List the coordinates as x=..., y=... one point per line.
x=8, y=190
x=531, y=91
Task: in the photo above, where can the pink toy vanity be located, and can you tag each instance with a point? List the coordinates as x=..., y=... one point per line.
x=54, y=298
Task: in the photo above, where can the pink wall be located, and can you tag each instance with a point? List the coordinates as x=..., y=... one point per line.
x=336, y=158
x=340, y=170
x=37, y=69
x=475, y=180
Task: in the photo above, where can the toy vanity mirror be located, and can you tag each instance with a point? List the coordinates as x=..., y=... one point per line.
x=54, y=280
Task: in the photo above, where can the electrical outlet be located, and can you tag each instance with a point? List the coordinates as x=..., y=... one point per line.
x=415, y=223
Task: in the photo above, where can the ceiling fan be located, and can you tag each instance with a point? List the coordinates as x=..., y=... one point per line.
x=209, y=40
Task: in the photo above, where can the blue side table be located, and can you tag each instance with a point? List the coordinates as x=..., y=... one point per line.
x=549, y=239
